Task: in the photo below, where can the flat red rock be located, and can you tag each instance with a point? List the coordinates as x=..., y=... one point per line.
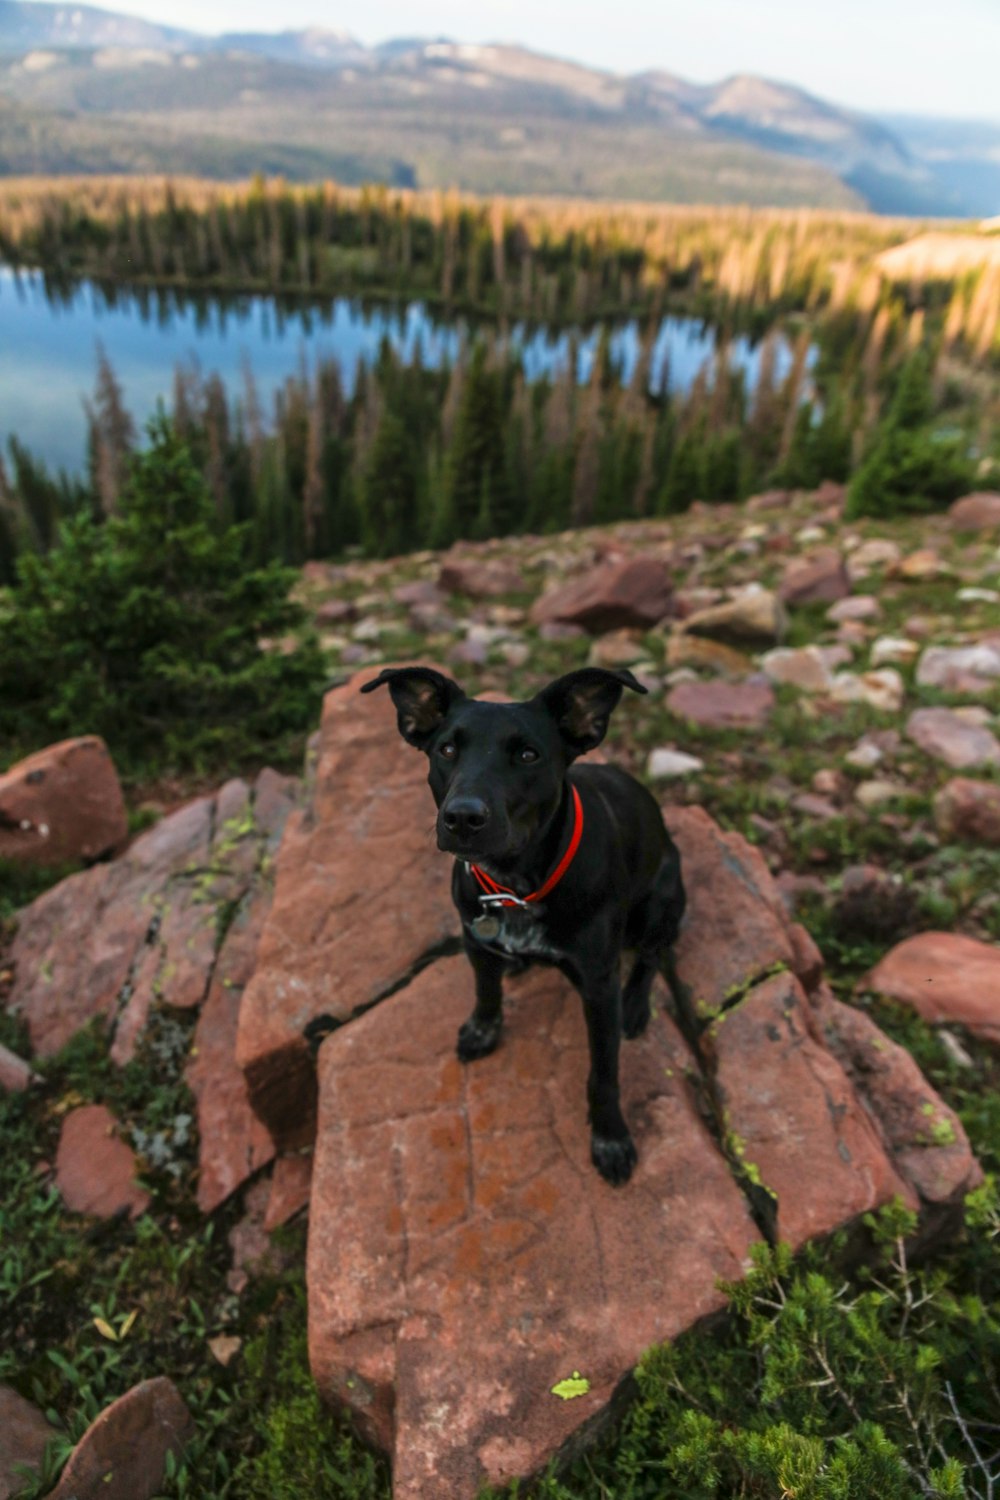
x=792, y=1117
x=143, y=930
x=123, y=1453
x=62, y=804
x=95, y=1169
x=925, y=1139
x=946, y=977
x=362, y=895
x=465, y=1257
x=736, y=928
x=233, y=1144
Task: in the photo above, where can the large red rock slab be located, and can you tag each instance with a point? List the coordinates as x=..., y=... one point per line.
x=923, y=1136
x=123, y=1453
x=792, y=1117
x=62, y=804
x=736, y=928
x=95, y=1169
x=634, y=592
x=291, y=1189
x=143, y=930
x=233, y=1144
x=362, y=894
x=945, y=977
x=464, y=1256
x=24, y=1435
x=722, y=705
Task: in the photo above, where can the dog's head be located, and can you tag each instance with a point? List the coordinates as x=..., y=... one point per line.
x=497, y=769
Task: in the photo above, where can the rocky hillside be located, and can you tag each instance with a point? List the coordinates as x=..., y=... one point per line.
x=245, y=1018
x=523, y=122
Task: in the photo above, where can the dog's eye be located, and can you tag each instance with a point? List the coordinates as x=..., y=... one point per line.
x=526, y=756
x=448, y=750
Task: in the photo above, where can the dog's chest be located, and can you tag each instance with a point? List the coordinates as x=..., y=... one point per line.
x=515, y=934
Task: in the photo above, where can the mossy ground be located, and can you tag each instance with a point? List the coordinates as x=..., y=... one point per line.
x=823, y=1384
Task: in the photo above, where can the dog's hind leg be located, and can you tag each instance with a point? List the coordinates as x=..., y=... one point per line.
x=653, y=928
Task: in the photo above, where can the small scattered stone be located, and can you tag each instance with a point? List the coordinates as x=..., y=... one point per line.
x=665, y=763
x=813, y=806
x=419, y=591
x=978, y=596
x=865, y=756
x=24, y=1435
x=753, y=617
x=891, y=649
x=802, y=667
x=225, y=1347
x=945, y=735
x=619, y=648
x=515, y=653
x=693, y=651
x=480, y=580
x=946, y=977
x=969, y=811
x=635, y=592
x=822, y=579
x=95, y=1169
x=857, y=607
x=15, y=1073
x=722, y=705
x=839, y=655
x=123, y=1454
x=878, y=552
x=337, y=612
x=63, y=804
x=921, y=567
x=976, y=512
x=875, y=793
x=882, y=689
x=960, y=669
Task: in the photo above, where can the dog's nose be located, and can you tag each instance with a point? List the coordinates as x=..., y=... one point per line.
x=464, y=817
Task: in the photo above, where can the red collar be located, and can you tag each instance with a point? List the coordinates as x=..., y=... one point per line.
x=489, y=885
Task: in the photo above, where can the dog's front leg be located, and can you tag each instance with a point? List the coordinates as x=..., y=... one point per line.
x=612, y=1149
x=480, y=1034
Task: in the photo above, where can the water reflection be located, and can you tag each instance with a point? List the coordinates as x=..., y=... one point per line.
x=50, y=331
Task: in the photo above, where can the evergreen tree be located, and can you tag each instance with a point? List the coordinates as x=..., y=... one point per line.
x=147, y=630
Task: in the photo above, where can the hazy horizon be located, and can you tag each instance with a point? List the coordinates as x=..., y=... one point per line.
x=945, y=71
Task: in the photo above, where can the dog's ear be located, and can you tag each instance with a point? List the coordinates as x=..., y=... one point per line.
x=422, y=697
x=583, y=702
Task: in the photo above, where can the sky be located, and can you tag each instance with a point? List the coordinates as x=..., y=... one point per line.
x=939, y=57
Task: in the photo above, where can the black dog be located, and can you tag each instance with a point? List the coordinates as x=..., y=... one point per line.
x=567, y=869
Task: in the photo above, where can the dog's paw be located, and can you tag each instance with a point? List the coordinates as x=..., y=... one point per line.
x=635, y=1017
x=477, y=1040
x=614, y=1159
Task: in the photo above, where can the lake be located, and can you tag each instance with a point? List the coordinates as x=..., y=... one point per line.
x=49, y=343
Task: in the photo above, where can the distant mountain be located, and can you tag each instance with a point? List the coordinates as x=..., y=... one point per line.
x=964, y=155
x=25, y=26
x=486, y=118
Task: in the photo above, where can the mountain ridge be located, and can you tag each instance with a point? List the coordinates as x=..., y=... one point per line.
x=504, y=108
